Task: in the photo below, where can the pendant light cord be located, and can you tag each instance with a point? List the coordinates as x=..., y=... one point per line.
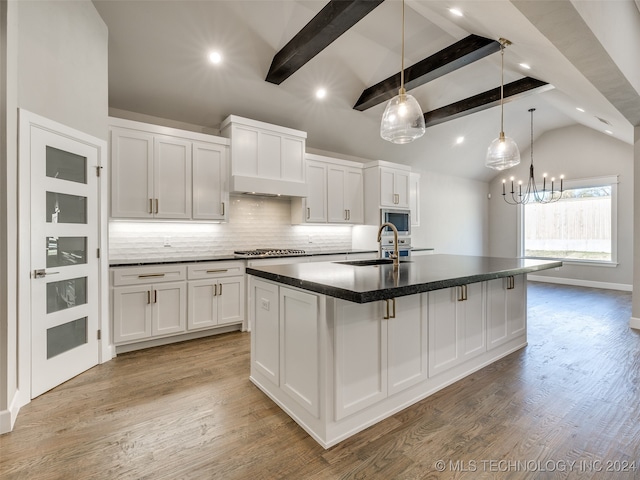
x=532, y=110
x=402, y=55
x=502, y=89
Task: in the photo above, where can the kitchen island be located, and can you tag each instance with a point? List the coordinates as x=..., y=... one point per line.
x=340, y=346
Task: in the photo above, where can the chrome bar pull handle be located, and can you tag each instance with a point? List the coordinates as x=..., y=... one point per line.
x=222, y=208
x=151, y=206
x=308, y=213
x=157, y=205
x=148, y=297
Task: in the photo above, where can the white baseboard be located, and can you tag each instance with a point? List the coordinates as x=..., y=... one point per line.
x=634, y=323
x=581, y=283
x=8, y=417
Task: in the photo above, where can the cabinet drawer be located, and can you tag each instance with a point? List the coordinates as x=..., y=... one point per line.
x=214, y=270
x=142, y=275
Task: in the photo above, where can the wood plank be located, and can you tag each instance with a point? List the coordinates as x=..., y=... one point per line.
x=188, y=410
x=335, y=18
x=457, y=55
x=491, y=98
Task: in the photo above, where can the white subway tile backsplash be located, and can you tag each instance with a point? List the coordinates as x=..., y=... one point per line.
x=254, y=222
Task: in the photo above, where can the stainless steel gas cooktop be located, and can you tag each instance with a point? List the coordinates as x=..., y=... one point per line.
x=268, y=252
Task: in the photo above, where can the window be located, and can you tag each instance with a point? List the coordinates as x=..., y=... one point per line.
x=580, y=227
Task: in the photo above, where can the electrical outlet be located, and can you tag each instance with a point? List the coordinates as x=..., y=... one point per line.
x=167, y=241
x=265, y=304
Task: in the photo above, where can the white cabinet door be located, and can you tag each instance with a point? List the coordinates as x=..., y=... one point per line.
x=131, y=313
x=336, y=186
x=354, y=195
x=231, y=300
x=316, y=201
x=169, y=302
x=202, y=310
x=394, y=188
x=265, y=330
x=506, y=309
x=131, y=174
x=456, y=326
x=172, y=177
x=360, y=356
x=299, y=348
x=210, y=195
x=407, y=344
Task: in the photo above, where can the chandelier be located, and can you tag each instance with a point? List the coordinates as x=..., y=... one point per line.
x=531, y=192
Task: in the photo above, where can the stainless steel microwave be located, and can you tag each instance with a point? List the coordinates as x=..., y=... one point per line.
x=400, y=218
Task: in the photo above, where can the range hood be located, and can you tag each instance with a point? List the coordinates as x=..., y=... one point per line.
x=266, y=159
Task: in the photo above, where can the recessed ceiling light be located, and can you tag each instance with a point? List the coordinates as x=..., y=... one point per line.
x=459, y=140
x=525, y=66
x=608, y=132
x=580, y=109
x=455, y=12
x=215, y=57
x=321, y=93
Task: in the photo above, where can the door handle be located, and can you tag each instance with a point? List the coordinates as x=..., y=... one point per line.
x=155, y=296
x=157, y=205
x=463, y=293
x=389, y=314
x=308, y=213
x=41, y=273
x=511, y=282
x=215, y=289
x=220, y=285
x=223, y=209
x=151, y=206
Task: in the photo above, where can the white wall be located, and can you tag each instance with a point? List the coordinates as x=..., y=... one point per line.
x=577, y=152
x=55, y=66
x=454, y=215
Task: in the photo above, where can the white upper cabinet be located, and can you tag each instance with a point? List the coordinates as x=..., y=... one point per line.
x=265, y=158
x=345, y=195
x=386, y=185
x=335, y=192
x=171, y=177
x=163, y=173
x=210, y=194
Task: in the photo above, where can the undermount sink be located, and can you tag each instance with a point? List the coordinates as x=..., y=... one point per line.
x=374, y=262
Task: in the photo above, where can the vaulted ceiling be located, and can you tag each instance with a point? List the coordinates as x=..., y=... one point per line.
x=158, y=66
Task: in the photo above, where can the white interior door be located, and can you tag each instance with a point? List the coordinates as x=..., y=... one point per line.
x=64, y=263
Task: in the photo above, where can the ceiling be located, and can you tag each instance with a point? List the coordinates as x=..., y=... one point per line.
x=158, y=66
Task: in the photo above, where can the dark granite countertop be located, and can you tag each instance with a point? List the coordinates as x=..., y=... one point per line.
x=231, y=256
x=363, y=284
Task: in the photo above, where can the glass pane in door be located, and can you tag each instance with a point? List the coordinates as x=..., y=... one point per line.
x=66, y=165
x=63, y=208
x=64, y=337
x=66, y=294
x=63, y=251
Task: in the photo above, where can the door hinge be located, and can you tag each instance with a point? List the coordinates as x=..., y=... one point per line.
x=99, y=334
x=98, y=168
x=98, y=253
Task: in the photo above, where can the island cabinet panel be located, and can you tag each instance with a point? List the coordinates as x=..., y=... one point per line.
x=506, y=309
x=360, y=356
x=265, y=335
x=377, y=357
x=407, y=341
x=456, y=326
x=299, y=352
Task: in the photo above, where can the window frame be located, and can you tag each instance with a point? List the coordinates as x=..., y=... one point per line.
x=604, y=181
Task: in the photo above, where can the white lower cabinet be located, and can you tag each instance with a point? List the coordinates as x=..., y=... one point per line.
x=506, y=309
x=456, y=326
x=144, y=311
x=215, y=294
x=284, y=339
x=162, y=301
x=337, y=367
x=377, y=357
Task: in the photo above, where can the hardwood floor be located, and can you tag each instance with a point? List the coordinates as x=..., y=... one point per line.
x=188, y=411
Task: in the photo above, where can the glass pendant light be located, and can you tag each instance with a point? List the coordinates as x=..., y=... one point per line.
x=503, y=152
x=403, y=120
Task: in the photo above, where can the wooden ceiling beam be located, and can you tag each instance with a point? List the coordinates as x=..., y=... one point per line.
x=459, y=54
x=333, y=20
x=491, y=98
